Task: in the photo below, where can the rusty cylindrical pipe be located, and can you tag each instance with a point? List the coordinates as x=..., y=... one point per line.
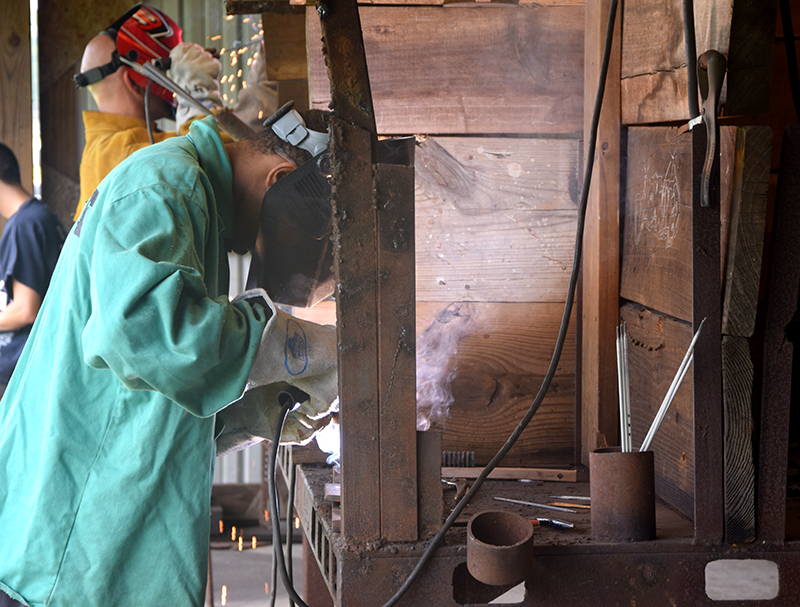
x=622, y=488
x=499, y=547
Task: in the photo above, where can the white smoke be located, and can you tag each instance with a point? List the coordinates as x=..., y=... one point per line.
x=436, y=350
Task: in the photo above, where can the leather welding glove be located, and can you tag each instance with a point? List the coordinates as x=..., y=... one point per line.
x=258, y=99
x=292, y=352
x=298, y=352
x=254, y=417
x=196, y=71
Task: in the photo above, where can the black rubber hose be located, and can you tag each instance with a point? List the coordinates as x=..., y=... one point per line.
x=290, y=527
x=286, y=402
x=691, y=57
x=551, y=371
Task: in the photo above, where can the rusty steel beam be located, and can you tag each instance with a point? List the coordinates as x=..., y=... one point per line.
x=709, y=506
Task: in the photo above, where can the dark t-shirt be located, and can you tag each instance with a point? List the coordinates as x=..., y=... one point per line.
x=29, y=249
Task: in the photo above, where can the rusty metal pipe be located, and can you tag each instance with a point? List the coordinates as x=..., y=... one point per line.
x=499, y=547
x=622, y=487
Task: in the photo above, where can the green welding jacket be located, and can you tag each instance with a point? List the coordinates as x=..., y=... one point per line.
x=106, y=427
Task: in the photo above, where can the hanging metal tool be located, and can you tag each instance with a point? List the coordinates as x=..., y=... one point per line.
x=711, y=67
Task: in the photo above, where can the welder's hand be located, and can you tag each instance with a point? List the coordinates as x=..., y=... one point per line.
x=254, y=417
x=196, y=71
x=258, y=100
x=298, y=352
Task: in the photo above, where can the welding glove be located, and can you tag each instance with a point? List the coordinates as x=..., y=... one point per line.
x=258, y=98
x=254, y=418
x=291, y=352
x=196, y=71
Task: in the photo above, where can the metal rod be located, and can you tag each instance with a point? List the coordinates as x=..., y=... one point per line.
x=534, y=505
x=159, y=77
x=673, y=389
x=570, y=497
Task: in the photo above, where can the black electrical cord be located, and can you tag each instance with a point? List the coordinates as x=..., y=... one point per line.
x=551, y=371
x=290, y=527
x=286, y=402
x=691, y=57
x=791, y=55
x=147, y=111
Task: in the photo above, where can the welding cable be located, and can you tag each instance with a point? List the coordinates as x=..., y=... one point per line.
x=147, y=111
x=551, y=371
x=290, y=527
x=691, y=57
x=286, y=402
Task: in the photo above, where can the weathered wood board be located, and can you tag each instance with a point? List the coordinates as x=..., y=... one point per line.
x=657, y=346
x=285, y=46
x=428, y=75
x=737, y=383
x=15, y=110
x=601, y=252
x=654, y=76
x=656, y=249
x=493, y=357
x=495, y=218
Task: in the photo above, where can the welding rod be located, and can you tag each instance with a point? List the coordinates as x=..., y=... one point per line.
x=159, y=77
x=570, y=497
x=545, y=506
x=673, y=389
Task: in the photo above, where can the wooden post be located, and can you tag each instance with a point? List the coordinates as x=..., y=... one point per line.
x=707, y=368
x=600, y=307
x=15, y=110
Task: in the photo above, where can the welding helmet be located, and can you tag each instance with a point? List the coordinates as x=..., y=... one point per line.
x=143, y=33
x=293, y=255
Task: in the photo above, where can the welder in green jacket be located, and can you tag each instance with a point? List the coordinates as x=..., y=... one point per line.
x=107, y=425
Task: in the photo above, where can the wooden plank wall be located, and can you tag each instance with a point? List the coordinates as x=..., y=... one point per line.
x=656, y=246
x=497, y=177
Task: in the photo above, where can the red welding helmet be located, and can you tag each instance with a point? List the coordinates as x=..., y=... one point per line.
x=142, y=34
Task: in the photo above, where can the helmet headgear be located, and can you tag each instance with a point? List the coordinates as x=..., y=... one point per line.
x=143, y=33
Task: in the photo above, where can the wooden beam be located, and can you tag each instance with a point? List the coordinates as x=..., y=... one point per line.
x=740, y=482
x=285, y=46
x=429, y=76
x=533, y=474
x=600, y=282
x=16, y=119
x=783, y=284
x=356, y=325
x=394, y=203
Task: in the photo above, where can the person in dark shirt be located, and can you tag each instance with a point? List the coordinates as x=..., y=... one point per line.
x=29, y=249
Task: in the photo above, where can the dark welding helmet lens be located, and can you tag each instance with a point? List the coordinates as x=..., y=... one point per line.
x=293, y=256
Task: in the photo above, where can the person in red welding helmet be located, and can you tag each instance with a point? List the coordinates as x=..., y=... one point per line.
x=128, y=101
